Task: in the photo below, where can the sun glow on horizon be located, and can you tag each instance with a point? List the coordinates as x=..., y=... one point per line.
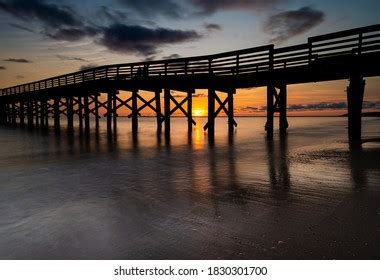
x=199, y=112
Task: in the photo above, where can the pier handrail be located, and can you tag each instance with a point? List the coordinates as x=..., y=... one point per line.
x=356, y=41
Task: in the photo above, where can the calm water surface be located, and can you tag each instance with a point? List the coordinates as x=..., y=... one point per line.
x=307, y=195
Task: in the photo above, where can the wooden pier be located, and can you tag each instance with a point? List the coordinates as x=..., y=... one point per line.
x=352, y=54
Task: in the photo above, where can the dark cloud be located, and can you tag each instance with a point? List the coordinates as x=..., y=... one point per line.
x=19, y=77
x=3, y=68
x=206, y=7
x=330, y=106
x=18, y=26
x=18, y=60
x=312, y=107
x=88, y=66
x=149, y=8
x=142, y=40
x=250, y=109
x=49, y=14
x=284, y=25
x=70, y=58
x=172, y=56
x=111, y=14
x=212, y=27
x=72, y=34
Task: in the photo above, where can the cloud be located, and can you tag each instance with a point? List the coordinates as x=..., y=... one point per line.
x=207, y=7
x=212, y=27
x=15, y=25
x=17, y=60
x=141, y=40
x=250, y=109
x=312, y=107
x=49, y=14
x=153, y=8
x=88, y=66
x=19, y=77
x=172, y=56
x=330, y=106
x=111, y=14
x=70, y=58
x=199, y=95
x=3, y=68
x=284, y=25
x=72, y=34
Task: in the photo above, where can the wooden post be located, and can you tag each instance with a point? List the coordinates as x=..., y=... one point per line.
x=270, y=110
x=46, y=103
x=70, y=117
x=109, y=112
x=134, y=111
x=282, y=106
x=30, y=114
x=86, y=114
x=114, y=111
x=190, y=111
x=157, y=94
x=231, y=121
x=57, y=111
x=355, y=94
x=167, y=110
x=22, y=114
x=14, y=113
x=211, y=112
x=3, y=112
x=80, y=113
x=42, y=115
x=8, y=110
x=37, y=113
x=96, y=101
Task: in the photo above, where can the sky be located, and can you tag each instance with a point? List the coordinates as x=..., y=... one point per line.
x=45, y=38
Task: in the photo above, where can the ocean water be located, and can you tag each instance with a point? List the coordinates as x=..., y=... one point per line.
x=303, y=196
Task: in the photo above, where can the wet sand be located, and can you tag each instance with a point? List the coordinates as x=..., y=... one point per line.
x=304, y=196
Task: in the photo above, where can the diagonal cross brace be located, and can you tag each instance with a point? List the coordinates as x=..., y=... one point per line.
x=222, y=106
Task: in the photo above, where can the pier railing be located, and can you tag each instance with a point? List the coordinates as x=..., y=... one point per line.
x=357, y=42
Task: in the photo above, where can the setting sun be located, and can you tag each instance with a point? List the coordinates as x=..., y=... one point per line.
x=199, y=113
